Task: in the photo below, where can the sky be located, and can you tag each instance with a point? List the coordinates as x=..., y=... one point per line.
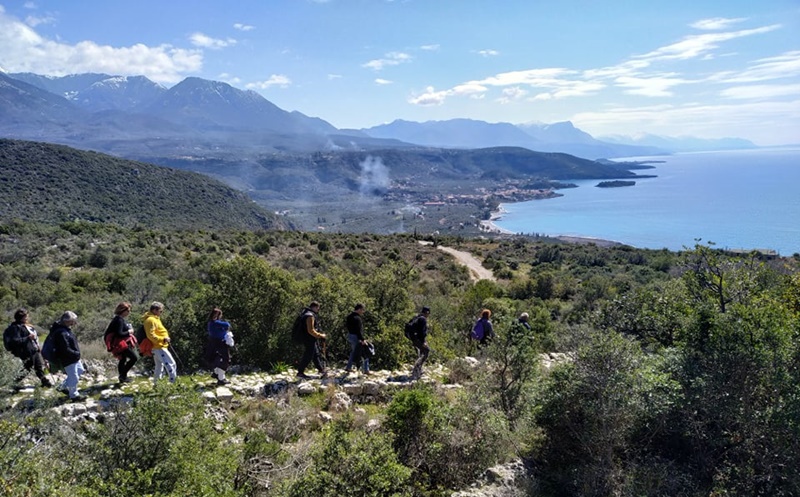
x=703, y=68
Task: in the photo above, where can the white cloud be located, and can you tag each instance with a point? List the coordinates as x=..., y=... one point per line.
x=24, y=50
x=390, y=59
x=694, y=46
x=761, y=92
x=430, y=48
x=512, y=94
x=29, y=5
x=649, y=87
x=754, y=119
x=488, y=52
x=34, y=21
x=231, y=80
x=780, y=66
x=243, y=27
x=205, y=41
x=429, y=97
x=334, y=76
x=716, y=23
x=381, y=81
x=274, y=80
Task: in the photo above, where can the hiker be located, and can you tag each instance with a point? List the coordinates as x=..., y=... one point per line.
x=523, y=321
x=220, y=341
x=310, y=316
x=22, y=340
x=158, y=335
x=120, y=341
x=355, y=335
x=67, y=353
x=418, y=336
x=483, y=331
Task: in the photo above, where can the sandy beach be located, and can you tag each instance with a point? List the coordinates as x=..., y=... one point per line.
x=491, y=227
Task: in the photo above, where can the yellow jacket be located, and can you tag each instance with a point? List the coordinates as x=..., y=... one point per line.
x=155, y=331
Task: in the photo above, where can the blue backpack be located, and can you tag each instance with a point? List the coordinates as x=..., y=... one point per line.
x=49, y=349
x=477, y=330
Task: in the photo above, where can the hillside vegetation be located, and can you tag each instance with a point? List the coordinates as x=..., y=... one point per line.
x=683, y=375
x=54, y=183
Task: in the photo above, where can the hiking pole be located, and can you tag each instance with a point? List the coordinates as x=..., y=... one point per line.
x=175, y=353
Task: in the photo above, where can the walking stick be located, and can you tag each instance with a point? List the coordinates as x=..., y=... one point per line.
x=175, y=353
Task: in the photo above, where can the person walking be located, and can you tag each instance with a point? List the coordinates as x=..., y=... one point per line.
x=419, y=338
x=218, y=347
x=310, y=317
x=483, y=331
x=67, y=352
x=22, y=340
x=355, y=336
x=159, y=336
x=120, y=341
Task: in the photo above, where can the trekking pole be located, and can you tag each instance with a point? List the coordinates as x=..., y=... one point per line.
x=175, y=353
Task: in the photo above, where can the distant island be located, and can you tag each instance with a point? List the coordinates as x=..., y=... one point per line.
x=614, y=184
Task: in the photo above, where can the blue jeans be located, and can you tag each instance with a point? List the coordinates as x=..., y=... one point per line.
x=355, y=353
x=74, y=372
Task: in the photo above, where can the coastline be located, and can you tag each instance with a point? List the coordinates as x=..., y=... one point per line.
x=490, y=226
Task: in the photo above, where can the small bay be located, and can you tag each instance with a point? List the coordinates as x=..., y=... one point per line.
x=746, y=199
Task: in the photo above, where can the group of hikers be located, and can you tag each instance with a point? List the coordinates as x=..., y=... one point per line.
x=61, y=349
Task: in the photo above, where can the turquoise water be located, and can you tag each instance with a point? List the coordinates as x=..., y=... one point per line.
x=742, y=199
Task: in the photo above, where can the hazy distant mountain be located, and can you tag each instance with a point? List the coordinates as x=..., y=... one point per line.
x=682, y=143
x=29, y=111
x=468, y=133
x=204, y=104
x=65, y=86
x=131, y=93
x=454, y=133
x=96, y=92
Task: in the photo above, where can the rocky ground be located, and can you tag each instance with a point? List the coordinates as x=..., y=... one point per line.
x=102, y=393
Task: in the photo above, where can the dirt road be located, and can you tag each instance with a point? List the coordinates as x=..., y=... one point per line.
x=473, y=265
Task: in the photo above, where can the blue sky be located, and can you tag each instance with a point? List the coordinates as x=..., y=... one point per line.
x=706, y=68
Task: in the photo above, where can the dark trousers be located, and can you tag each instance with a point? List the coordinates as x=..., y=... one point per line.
x=126, y=361
x=35, y=363
x=422, y=355
x=310, y=353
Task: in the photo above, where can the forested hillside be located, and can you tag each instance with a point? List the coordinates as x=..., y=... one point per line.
x=55, y=183
x=681, y=376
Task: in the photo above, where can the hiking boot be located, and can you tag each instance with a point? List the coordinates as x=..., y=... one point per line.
x=46, y=383
x=303, y=376
x=222, y=382
x=324, y=375
x=214, y=375
x=78, y=398
x=366, y=373
x=348, y=370
x=125, y=380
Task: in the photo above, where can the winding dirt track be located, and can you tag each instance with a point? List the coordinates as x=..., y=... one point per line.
x=476, y=270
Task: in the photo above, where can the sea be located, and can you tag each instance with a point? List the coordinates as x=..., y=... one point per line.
x=744, y=199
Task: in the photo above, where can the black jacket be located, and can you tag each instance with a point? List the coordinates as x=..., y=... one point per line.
x=119, y=327
x=355, y=325
x=65, y=344
x=18, y=341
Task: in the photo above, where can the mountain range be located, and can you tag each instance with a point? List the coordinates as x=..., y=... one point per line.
x=132, y=116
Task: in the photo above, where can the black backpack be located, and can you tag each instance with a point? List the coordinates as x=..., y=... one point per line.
x=140, y=333
x=7, y=340
x=299, y=329
x=412, y=330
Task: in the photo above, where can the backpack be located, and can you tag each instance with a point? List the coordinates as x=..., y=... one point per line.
x=477, y=330
x=411, y=331
x=8, y=343
x=145, y=345
x=49, y=349
x=299, y=330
